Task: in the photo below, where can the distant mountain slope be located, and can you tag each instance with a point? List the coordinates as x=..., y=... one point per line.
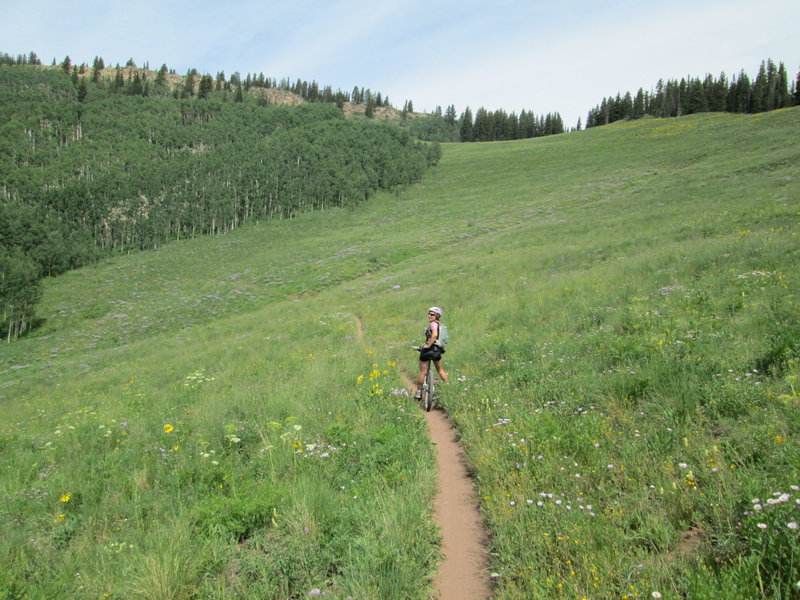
x=93, y=168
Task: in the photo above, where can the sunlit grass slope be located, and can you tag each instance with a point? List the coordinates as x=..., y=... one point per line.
x=204, y=421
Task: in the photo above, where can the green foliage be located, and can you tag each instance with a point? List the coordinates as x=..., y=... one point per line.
x=237, y=516
x=433, y=128
x=20, y=290
x=624, y=384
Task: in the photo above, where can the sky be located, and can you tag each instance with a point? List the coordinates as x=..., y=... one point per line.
x=557, y=56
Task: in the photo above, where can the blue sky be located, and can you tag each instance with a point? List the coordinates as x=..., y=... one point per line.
x=552, y=56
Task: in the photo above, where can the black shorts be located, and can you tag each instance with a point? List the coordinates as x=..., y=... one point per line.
x=433, y=353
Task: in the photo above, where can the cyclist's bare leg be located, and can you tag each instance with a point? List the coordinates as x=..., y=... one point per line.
x=423, y=370
x=440, y=369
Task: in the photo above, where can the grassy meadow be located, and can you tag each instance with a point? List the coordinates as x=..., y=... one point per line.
x=203, y=420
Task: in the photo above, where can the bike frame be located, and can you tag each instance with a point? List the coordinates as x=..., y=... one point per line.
x=428, y=386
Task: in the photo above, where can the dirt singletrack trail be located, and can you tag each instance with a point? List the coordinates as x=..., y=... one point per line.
x=360, y=329
x=462, y=573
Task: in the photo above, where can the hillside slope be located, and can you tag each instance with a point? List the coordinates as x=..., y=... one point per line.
x=623, y=310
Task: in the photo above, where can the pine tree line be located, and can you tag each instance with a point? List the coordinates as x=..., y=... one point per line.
x=491, y=126
x=770, y=90
x=485, y=126
x=20, y=59
x=133, y=81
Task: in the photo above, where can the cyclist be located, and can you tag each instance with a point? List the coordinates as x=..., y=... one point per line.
x=431, y=350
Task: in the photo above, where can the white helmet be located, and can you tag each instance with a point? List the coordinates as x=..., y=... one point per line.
x=436, y=310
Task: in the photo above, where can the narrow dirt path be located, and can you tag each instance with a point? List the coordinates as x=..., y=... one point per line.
x=360, y=329
x=462, y=573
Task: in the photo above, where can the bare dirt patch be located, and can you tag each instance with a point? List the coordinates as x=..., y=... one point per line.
x=360, y=329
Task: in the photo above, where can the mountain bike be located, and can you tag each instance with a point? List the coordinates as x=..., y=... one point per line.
x=427, y=397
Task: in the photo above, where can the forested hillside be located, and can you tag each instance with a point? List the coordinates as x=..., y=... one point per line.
x=87, y=168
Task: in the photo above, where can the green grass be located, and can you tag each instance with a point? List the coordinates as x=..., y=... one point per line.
x=623, y=308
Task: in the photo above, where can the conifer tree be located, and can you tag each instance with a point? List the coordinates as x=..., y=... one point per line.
x=119, y=80
x=82, y=90
x=696, y=101
x=161, y=76
x=782, y=98
x=136, y=88
x=66, y=65
x=760, y=90
x=450, y=115
x=97, y=69
x=638, y=110
x=466, y=130
x=511, y=127
x=797, y=90
x=527, y=125
x=206, y=85
x=740, y=94
x=771, y=102
x=716, y=92
x=188, y=84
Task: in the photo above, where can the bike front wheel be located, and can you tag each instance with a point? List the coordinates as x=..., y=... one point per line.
x=427, y=392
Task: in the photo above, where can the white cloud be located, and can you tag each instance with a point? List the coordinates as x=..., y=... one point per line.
x=572, y=69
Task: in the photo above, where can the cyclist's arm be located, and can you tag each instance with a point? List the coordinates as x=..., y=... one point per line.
x=434, y=335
